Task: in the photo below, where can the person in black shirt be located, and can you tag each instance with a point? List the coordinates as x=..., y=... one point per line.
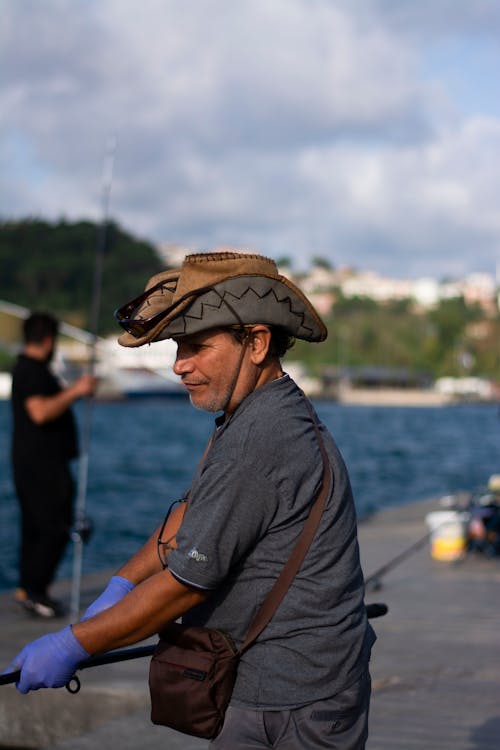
x=44, y=441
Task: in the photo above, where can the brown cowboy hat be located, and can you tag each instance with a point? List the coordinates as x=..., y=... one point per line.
x=216, y=290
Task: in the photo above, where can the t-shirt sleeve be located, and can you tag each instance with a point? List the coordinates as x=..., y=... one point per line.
x=35, y=382
x=230, y=507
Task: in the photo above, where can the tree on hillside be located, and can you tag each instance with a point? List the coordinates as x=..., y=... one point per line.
x=364, y=332
x=51, y=266
x=320, y=262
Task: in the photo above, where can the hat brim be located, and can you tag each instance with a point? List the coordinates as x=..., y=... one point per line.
x=247, y=299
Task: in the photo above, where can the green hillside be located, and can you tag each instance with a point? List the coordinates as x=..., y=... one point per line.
x=452, y=339
x=50, y=266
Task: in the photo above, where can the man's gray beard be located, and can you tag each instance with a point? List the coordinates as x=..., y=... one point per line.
x=213, y=406
x=223, y=401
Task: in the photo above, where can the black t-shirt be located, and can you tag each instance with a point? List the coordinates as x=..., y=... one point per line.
x=55, y=440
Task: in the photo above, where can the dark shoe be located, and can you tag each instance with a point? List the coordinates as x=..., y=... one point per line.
x=43, y=606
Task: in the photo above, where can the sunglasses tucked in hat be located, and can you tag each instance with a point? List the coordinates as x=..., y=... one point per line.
x=216, y=290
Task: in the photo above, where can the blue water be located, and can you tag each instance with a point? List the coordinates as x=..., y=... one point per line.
x=143, y=453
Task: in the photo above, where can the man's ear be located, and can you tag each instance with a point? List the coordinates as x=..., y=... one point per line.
x=260, y=341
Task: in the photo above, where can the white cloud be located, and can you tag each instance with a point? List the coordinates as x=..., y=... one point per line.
x=296, y=127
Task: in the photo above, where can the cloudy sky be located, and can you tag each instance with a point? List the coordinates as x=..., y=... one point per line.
x=366, y=132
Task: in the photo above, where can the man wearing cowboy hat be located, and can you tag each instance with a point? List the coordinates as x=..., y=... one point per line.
x=305, y=682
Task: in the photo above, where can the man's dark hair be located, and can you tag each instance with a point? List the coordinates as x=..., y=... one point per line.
x=38, y=326
x=281, y=342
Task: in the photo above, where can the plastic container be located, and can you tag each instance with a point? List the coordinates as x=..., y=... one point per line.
x=448, y=534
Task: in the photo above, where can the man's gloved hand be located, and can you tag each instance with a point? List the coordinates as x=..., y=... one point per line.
x=116, y=589
x=50, y=661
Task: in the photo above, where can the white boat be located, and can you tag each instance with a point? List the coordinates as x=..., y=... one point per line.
x=138, y=382
x=143, y=372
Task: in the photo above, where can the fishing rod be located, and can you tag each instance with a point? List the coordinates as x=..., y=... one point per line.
x=375, y=579
x=112, y=657
x=82, y=527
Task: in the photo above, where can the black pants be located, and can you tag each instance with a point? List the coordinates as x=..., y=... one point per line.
x=45, y=492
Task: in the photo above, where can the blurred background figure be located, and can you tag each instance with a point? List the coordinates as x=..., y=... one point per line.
x=484, y=524
x=44, y=442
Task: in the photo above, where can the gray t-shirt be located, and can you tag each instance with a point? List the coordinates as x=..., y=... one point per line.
x=247, y=507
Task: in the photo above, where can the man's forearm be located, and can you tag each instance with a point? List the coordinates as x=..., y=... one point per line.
x=143, y=612
x=43, y=409
x=144, y=563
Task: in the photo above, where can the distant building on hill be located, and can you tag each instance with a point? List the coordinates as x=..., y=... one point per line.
x=321, y=281
x=172, y=254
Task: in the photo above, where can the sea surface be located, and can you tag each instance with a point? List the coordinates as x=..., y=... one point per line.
x=143, y=453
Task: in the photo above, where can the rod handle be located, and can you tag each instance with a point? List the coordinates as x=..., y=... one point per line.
x=7, y=679
x=110, y=657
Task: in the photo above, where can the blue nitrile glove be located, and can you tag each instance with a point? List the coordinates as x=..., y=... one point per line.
x=116, y=589
x=50, y=661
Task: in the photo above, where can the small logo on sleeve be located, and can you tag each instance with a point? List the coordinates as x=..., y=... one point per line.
x=197, y=556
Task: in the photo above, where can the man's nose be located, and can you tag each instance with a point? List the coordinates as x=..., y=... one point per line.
x=182, y=363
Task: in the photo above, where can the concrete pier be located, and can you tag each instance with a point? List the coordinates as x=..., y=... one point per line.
x=435, y=666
